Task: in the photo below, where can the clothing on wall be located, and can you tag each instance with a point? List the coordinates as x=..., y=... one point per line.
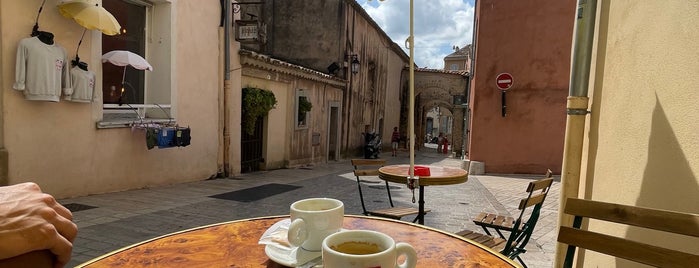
x=151, y=137
x=174, y=136
x=183, y=136
x=41, y=70
x=165, y=136
x=83, y=86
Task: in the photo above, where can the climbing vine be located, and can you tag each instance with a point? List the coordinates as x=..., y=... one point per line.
x=304, y=107
x=256, y=102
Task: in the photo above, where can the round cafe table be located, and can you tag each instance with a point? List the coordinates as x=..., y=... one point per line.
x=235, y=244
x=438, y=176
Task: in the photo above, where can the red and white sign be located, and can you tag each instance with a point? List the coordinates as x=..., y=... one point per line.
x=504, y=81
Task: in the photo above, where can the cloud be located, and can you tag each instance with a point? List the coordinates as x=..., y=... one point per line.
x=438, y=26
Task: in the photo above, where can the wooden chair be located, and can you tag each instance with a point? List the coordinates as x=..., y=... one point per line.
x=370, y=167
x=656, y=219
x=495, y=243
x=520, y=229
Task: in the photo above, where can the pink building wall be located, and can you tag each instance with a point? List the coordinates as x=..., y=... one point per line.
x=531, y=40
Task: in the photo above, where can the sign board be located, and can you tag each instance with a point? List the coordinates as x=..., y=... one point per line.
x=315, y=139
x=247, y=31
x=504, y=81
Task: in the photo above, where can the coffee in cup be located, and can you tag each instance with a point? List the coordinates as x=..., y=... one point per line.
x=357, y=248
x=364, y=249
x=314, y=219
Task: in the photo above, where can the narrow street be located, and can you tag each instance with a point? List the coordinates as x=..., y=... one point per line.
x=115, y=220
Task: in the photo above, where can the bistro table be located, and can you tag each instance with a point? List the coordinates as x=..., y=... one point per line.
x=235, y=244
x=438, y=176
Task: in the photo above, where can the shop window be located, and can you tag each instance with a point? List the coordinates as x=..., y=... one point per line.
x=143, y=95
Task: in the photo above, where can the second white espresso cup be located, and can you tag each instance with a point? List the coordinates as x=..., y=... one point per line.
x=365, y=249
x=314, y=219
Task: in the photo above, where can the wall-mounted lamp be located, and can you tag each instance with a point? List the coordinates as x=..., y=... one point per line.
x=354, y=64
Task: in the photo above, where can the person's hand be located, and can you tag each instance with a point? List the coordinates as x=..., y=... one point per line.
x=31, y=220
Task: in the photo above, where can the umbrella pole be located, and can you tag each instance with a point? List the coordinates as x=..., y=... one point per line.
x=123, y=79
x=411, y=98
x=35, y=29
x=77, y=59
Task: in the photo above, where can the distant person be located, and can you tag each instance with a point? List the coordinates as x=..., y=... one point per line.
x=445, y=144
x=395, y=138
x=32, y=221
x=440, y=141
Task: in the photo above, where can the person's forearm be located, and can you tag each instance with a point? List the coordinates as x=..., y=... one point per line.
x=35, y=259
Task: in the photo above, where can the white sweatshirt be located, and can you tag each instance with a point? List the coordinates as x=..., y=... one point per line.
x=83, y=83
x=41, y=70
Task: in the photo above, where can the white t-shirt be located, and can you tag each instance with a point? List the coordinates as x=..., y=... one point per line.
x=83, y=83
x=41, y=70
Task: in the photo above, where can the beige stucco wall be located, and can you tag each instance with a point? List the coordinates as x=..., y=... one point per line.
x=643, y=147
x=276, y=124
x=57, y=144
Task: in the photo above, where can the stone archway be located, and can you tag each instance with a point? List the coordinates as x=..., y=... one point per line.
x=439, y=88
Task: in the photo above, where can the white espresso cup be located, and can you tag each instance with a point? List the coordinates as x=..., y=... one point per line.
x=314, y=219
x=366, y=249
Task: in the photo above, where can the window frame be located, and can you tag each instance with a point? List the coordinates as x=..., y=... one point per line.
x=298, y=124
x=149, y=111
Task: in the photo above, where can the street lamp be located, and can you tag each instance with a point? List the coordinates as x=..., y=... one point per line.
x=354, y=65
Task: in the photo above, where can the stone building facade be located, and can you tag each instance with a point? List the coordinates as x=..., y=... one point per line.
x=328, y=36
x=460, y=60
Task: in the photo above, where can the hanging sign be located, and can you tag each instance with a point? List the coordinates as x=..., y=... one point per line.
x=248, y=31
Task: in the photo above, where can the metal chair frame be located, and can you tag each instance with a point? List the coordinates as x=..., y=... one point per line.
x=521, y=230
x=392, y=212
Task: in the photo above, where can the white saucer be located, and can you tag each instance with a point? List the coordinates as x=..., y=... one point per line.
x=290, y=257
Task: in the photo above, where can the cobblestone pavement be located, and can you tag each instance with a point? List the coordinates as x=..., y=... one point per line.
x=123, y=218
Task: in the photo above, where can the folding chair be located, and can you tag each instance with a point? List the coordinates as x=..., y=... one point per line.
x=663, y=220
x=370, y=167
x=520, y=230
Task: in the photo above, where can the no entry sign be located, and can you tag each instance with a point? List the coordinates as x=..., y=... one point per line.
x=504, y=81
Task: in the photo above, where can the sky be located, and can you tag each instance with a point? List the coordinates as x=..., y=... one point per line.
x=439, y=25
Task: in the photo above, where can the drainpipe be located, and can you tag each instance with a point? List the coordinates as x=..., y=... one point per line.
x=471, y=73
x=474, y=37
x=577, y=112
x=226, y=88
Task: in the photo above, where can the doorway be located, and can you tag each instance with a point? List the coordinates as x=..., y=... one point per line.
x=251, y=148
x=334, y=132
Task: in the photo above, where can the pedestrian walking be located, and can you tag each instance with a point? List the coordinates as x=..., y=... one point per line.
x=440, y=141
x=445, y=143
x=395, y=138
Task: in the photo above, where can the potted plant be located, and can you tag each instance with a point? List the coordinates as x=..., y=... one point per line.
x=304, y=107
x=256, y=102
